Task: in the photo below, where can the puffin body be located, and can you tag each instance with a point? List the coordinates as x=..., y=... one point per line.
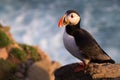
x=79, y=42
x=70, y=45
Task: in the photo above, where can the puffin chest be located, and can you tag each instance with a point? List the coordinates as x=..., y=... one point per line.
x=70, y=45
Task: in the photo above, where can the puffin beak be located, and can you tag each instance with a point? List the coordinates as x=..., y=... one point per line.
x=62, y=21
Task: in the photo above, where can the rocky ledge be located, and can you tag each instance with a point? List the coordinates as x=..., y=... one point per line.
x=23, y=62
x=94, y=71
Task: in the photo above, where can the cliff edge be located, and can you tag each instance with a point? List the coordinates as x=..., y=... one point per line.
x=23, y=62
x=94, y=71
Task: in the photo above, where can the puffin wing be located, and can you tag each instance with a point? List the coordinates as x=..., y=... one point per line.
x=89, y=47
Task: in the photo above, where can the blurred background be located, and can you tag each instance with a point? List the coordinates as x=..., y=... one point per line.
x=35, y=22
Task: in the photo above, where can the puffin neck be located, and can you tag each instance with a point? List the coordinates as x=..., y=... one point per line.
x=71, y=29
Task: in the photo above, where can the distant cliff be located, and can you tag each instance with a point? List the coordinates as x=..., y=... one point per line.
x=23, y=62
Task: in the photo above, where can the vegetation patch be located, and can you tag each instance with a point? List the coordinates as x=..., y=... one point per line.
x=18, y=53
x=4, y=40
x=7, y=68
x=31, y=50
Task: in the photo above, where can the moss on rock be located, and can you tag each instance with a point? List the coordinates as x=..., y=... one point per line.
x=18, y=53
x=4, y=40
x=31, y=50
x=6, y=69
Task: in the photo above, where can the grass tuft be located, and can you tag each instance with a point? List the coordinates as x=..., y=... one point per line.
x=31, y=51
x=4, y=40
x=18, y=53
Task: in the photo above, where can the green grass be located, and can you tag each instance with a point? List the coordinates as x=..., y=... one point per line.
x=6, y=69
x=4, y=40
x=18, y=53
x=31, y=50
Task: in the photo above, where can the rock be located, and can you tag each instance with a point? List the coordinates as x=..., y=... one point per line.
x=19, y=75
x=105, y=71
x=3, y=53
x=22, y=61
x=42, y=70
x=43, y=54
x=21, y=68
x=6, y=67
x=53, y=67
x=39, y=71
x=22, y=65
x=29, y=63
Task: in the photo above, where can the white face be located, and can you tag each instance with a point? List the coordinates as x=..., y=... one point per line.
x=73, y=18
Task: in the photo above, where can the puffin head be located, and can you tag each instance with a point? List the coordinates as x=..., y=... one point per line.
x=71, y=17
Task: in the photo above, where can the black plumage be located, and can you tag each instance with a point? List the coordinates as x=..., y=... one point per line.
x=79, y=42
x=88, y=46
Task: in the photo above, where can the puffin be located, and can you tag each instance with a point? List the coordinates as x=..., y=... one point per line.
x=79, y=42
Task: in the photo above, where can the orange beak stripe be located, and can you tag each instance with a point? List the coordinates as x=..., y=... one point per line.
x=60, y=24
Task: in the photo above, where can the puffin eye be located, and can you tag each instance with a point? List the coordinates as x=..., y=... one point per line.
x=71, y=15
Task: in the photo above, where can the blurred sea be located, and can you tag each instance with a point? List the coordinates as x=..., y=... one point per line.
x=35, y=22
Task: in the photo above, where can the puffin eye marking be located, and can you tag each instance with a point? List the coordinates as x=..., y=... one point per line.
x=71, y=15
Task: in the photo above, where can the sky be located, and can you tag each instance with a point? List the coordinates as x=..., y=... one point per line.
x=35, y=22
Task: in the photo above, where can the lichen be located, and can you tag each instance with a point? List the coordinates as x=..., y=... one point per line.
x=18, y=53
x=4, y=40
x=6, y=69
x=31, y=51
